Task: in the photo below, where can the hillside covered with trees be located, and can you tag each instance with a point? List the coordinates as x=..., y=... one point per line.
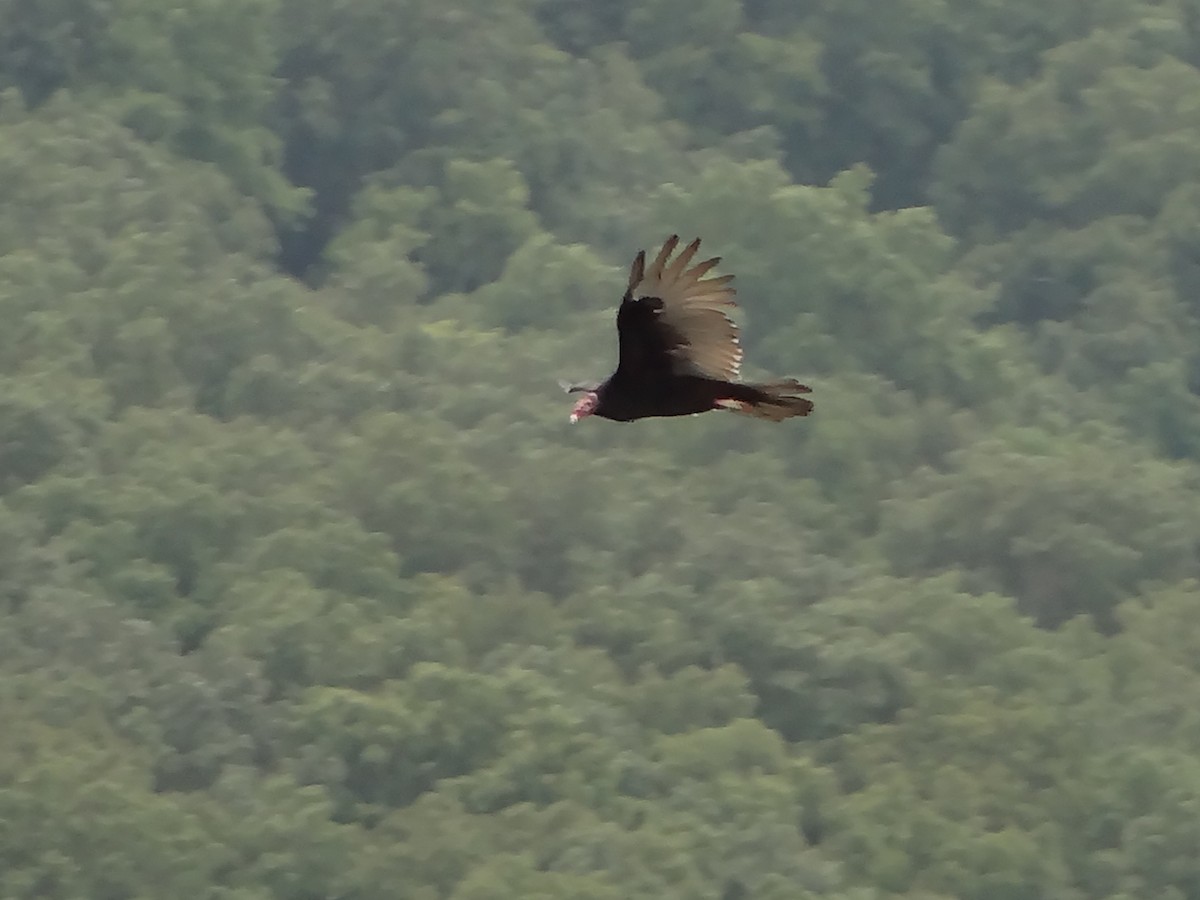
x=308, y=590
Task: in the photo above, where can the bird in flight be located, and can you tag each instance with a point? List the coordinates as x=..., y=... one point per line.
x=678, y=349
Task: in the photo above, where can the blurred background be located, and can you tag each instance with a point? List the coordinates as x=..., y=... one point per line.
x=308, y=590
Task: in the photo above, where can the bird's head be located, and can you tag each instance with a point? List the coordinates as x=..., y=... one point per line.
x=585, y=406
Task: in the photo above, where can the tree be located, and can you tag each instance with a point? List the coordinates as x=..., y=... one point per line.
x=197, y=77
x=1063, y=533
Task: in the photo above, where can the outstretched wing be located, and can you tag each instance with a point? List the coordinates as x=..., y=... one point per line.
x=673, y=319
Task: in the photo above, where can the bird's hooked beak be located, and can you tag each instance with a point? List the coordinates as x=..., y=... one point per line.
x=585, y=406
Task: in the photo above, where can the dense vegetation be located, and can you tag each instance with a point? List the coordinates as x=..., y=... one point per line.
x=307, y=589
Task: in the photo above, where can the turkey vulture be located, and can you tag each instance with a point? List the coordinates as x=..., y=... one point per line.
x=679, y=351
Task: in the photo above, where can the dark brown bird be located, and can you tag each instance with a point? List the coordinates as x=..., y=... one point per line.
x=679, y=350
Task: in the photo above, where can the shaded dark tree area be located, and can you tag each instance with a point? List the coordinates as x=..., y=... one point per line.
x=308, y=589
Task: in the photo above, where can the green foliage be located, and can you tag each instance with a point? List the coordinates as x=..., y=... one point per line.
x=197, y=77
x=1058, y=535
x=480, y=218
x=308, y=589
x=81, y=819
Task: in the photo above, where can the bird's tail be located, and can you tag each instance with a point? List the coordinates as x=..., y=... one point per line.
x=771, y=400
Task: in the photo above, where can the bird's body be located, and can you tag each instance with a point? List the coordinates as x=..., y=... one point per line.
x=672, y=395
x=679, y=350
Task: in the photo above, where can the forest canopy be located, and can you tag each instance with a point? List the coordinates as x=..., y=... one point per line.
x=307, y=589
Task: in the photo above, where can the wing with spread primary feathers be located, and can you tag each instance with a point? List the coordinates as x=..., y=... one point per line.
x=673, y=318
